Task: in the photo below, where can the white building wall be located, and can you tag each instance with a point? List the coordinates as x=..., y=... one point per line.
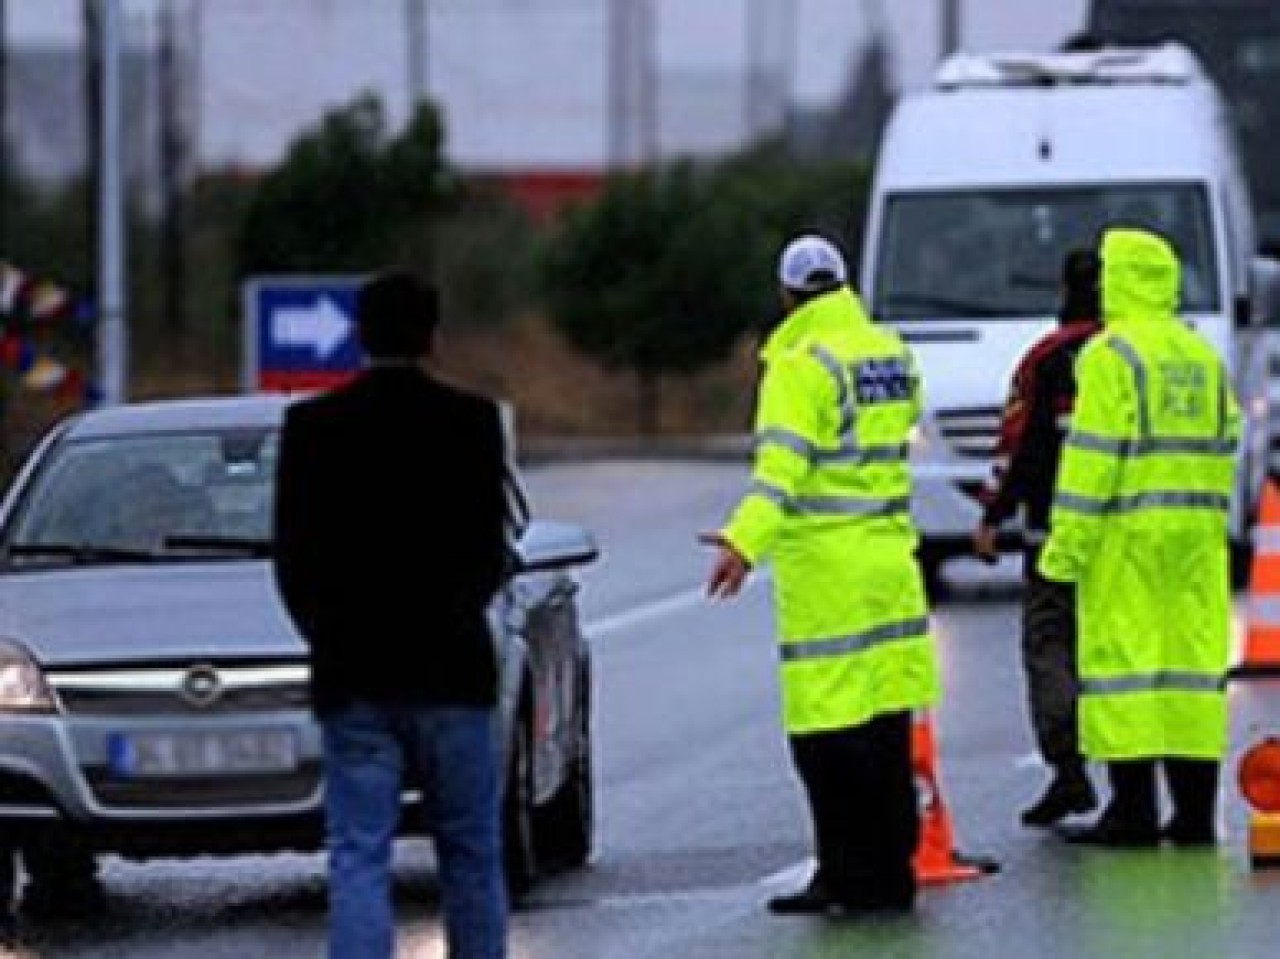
x=524, y=83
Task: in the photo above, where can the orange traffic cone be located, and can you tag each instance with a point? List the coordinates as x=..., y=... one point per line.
x=936, y=859
x=1261, y=656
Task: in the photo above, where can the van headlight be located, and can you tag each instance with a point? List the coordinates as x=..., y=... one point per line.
x=22, y=684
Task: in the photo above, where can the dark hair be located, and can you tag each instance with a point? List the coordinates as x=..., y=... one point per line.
x=826, y=281
x=1080, y=272
x=396, y=315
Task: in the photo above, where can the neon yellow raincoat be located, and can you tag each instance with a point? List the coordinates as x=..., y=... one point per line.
x=1139, y=519
x=829, y=505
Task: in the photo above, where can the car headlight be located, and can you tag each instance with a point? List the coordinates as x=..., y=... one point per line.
x=22, y=684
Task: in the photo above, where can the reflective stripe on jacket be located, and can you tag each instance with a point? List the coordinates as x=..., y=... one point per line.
x=1140, y=518
x=829, y=506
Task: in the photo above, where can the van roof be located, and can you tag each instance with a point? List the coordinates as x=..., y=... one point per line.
x=984, y=134
x=1165, y=63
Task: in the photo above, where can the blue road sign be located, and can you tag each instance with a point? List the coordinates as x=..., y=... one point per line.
x=299, y=331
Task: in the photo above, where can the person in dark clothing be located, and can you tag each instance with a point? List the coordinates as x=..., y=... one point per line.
x=1032, y=429
x=391, y=539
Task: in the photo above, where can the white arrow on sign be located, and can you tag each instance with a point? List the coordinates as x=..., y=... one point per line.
x=322, y=326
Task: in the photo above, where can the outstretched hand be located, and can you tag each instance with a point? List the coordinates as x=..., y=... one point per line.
x=730, y=569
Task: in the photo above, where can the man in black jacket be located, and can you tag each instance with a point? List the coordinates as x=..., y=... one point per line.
x=390, y=542
x=1032, y=430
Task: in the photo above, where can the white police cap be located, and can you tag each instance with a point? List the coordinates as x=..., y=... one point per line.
x=811, y=263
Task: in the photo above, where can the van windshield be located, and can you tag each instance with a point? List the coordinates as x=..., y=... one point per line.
x=998, y=253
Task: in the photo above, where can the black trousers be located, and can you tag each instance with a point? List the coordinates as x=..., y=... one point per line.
x=862, y=800
x=1049, y=661
x=1193, y=792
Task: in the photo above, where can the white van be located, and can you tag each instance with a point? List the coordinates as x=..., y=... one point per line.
x=983, y=184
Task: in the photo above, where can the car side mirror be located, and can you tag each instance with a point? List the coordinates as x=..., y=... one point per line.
x=550, y=545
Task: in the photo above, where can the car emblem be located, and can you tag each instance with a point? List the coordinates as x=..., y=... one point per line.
x=201, y=686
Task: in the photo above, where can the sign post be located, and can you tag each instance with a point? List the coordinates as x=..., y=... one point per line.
x=299, y=332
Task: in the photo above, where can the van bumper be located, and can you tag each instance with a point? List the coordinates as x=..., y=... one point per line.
x=943, y=504
x=945, y=487
x=946, y=510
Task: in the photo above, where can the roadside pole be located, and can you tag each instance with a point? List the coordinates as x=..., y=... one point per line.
x=112, y=343
x=950, y=28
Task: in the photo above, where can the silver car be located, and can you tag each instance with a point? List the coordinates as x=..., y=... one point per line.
x=153, y=695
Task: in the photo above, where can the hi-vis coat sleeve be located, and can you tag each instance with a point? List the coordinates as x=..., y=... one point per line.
x=794, y=394
x=1089, y=472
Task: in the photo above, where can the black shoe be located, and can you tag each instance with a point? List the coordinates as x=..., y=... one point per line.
x=872, y=906
x=1113, y=834
x=809, y=901
x=1066, y=795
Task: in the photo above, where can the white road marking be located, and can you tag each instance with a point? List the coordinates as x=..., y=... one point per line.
x=645, y=611
x=788, y=878
x=793, y=876
x=1029, y=761
x=656, y=609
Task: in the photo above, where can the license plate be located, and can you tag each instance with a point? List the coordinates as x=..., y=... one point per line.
x=211, y=753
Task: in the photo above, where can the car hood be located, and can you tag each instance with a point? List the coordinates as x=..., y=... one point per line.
x=128, y=614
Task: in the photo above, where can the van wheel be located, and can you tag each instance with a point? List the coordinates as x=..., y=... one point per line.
x=518, y=854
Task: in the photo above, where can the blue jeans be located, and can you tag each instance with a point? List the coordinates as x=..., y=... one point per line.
x=367, y=749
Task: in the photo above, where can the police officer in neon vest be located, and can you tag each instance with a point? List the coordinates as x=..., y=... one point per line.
x=1139, y=523
x=829, y=507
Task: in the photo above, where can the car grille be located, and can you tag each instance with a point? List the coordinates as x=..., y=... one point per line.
x=970, y=431
x=200, y=689
x=203, y=791
x=193, y=690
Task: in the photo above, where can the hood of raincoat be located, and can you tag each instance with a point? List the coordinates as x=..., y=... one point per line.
x=1140, y=276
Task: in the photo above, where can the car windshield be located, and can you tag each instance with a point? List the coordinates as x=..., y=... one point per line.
x=188, y=495
x=999, y=253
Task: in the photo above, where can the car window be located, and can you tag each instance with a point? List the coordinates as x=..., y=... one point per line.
x=156, y=493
